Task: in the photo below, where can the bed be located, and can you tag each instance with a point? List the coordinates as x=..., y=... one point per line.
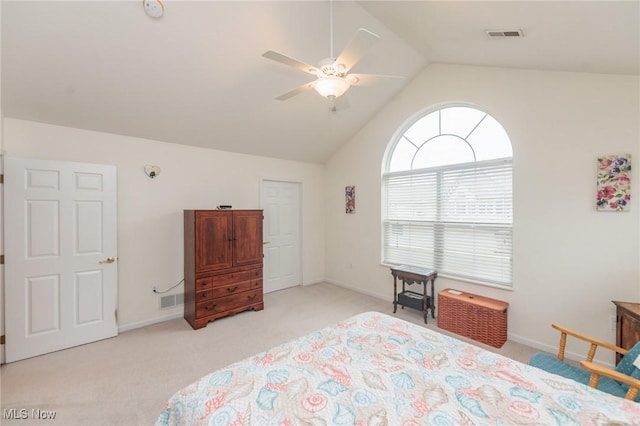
x=375, y=369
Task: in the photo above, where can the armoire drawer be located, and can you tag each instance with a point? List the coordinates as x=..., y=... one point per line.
x=218, y=292
x=201, y=296
x=230, y=289
x=203, y=283
x=227, y=303
x=226, y=279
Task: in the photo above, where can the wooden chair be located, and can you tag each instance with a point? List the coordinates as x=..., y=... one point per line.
x=623, y=381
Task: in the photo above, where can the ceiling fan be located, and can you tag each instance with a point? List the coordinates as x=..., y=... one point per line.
x=332, y=74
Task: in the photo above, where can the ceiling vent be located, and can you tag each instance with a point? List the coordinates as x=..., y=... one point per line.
x=504, y=33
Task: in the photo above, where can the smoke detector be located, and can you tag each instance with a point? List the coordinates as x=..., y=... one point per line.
x=504, y=33
x=153, y=8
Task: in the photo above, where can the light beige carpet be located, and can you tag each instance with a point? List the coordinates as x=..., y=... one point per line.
x=127, y=379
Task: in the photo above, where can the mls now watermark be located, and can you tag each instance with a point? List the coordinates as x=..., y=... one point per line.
x=24, y=414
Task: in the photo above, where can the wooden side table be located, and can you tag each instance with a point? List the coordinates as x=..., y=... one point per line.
x=627, y=325
x=424, y=301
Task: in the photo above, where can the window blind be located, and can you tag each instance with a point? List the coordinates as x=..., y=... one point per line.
x=456, y=219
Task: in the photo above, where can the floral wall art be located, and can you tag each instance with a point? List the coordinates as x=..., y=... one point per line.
x=350, y=199
x=614, y=183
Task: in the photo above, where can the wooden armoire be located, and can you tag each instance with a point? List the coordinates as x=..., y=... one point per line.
x=222, y=264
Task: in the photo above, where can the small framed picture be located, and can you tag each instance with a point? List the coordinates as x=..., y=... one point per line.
x=613, y=191
x=350, y=199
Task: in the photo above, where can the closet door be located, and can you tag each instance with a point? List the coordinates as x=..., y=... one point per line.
x=282, y=233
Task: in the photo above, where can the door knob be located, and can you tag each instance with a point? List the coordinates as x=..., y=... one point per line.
x=108, y=260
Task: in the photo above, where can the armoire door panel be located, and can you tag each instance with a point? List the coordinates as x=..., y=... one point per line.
x=247, y=238
x=214, y=239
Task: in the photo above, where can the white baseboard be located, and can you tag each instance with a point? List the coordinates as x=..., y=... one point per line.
x=179, y=314
x=511, y=336
x=134, y=325
x=539, y=345
x=386, y=297
x=553, y=349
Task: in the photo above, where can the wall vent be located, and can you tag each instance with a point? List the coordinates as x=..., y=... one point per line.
x=504, y=33
x=171, y=300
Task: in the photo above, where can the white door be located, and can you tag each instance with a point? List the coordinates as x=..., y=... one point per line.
x=60, y=255
x=281, y=205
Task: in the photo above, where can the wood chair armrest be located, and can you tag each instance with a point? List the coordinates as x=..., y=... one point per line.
x=593, y=341
x=599, y=370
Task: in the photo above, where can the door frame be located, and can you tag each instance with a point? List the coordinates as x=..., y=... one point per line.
x=300, y=186
x=2, y=317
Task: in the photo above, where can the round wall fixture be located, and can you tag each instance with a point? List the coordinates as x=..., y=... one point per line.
x=154, y=8
x=152, y=171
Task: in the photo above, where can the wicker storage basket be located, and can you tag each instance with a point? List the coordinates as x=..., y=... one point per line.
x=476, y=317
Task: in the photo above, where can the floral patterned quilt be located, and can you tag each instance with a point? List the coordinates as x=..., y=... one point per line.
x=374, y=369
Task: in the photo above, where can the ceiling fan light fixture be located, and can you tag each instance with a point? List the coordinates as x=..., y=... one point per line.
x=331, y=87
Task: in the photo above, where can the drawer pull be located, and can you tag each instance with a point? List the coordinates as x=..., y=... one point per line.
x=210, y=307
x=253, y=296
x=232, y=289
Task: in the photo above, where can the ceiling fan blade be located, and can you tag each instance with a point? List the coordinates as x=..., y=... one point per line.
x=356, y=48
x=296, y=91
x=370, y=79
x=284, y=59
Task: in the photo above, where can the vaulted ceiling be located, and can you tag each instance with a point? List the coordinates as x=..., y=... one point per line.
x=196, y=76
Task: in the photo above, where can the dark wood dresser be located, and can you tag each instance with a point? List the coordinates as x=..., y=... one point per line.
x=222, y=264
x=627, y=325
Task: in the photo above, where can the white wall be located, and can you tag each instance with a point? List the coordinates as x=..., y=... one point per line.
x=570, y=261
x=150, y=221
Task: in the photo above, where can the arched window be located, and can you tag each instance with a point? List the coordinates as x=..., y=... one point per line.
x=447, y=196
